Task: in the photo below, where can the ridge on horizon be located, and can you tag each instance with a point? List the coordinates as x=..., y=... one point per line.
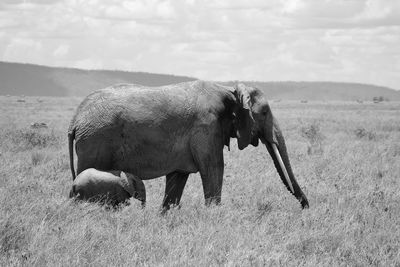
x=40, y=80
x=87, y=69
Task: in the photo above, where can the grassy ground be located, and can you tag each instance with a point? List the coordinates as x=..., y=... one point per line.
x=346, y=158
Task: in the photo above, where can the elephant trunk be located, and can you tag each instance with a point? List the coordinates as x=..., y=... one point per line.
x=278, y=152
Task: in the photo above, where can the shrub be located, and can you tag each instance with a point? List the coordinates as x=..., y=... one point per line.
x=37, y=157
x=13, y=236
x=25, y=138
x=314, y=137
x=378, y=99
x=363, y=133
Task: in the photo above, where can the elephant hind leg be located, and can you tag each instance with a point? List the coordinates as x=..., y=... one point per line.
x=175, y=182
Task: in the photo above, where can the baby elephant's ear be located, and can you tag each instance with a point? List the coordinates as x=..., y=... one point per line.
x=127, y=184
x=135, y=186
x=123, y=176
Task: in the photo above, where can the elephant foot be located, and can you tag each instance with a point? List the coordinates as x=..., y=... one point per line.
x=166, y=208
x=213, y=201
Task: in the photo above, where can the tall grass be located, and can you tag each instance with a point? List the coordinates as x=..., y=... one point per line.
x=352, y=184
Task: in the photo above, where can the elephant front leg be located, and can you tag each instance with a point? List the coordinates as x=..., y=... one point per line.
x=211, y=177
x=175, y=182
x=209, y=158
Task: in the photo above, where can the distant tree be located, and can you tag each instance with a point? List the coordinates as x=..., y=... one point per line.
x=378, y=99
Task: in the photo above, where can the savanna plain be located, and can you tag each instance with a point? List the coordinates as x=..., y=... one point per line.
x=345, y=156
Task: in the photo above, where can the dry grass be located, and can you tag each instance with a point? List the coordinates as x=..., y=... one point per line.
x=345, y=156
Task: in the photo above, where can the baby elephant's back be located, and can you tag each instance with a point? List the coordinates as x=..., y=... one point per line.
x=92, y=184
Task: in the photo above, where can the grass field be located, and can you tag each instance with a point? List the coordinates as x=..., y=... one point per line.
x=346, y=157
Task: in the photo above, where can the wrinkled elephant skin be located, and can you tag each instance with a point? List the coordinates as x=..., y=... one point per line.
x=176, y=130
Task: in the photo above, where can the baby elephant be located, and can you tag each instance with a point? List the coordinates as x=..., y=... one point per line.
x=107, y=187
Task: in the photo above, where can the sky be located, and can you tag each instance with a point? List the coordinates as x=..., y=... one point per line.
x=265, y=40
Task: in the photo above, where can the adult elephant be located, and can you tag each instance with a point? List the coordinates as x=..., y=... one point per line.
x=176, y=130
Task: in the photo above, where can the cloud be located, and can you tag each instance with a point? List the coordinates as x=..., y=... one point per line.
x=338, y=40
x=29, y=50
x=61, y=51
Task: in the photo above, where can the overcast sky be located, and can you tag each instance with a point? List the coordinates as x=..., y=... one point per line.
x=337, y=40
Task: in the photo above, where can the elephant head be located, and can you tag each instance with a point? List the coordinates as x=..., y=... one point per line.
x=254, y=121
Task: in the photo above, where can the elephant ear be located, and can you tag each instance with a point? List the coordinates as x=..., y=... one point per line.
x=244, y=120
x=127, y=184
x=134, y=186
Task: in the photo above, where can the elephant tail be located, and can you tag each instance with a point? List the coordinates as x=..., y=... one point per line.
x=71, y=137
x=72, y=192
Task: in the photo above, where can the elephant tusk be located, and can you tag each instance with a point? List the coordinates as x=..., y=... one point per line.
x=278, y=156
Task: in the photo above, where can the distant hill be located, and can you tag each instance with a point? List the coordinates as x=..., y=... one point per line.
x=35, y=80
